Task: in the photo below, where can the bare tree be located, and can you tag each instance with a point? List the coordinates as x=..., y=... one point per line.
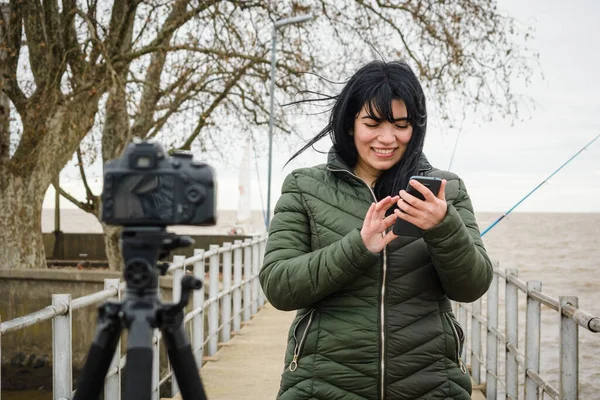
x=182, y=70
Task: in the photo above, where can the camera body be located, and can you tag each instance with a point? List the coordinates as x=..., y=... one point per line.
x=146, y=187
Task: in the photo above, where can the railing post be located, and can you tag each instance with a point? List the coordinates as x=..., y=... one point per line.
x=462, y=315
x=248, y=281
x=569, y=351
x=532, y=340
x=62, y=355
x=155, y=364
x=476, y=341
x=213, y=308
x=492, y=341
x=226, y=299
x=176, y=296
x=255, y=285
x=198, y=319
x=262, y=246
x=512, y=335
x=237, y=293
x=0, y=360
x=112, y=385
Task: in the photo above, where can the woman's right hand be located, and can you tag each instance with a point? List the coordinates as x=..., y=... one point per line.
x=376, y=223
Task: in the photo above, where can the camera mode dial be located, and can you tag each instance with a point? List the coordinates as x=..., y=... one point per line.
x=195, y=194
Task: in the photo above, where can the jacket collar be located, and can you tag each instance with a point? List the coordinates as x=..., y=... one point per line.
x=334, y=161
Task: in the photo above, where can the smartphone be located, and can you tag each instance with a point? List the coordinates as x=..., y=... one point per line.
x=404, y=228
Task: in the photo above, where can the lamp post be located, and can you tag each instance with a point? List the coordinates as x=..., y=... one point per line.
x=277, y=24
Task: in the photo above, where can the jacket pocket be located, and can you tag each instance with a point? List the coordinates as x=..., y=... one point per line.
x=459, y=340
x=300, y=333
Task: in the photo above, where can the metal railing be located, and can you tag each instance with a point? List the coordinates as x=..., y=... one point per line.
x=232, y=301
x=516, y=360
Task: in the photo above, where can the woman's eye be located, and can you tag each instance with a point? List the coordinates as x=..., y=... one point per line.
x=372, y=125
x=402, y=126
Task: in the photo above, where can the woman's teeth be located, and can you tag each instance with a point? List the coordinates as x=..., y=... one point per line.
x=383, y=151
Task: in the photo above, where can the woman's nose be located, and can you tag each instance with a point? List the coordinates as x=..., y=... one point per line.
x=387, y=135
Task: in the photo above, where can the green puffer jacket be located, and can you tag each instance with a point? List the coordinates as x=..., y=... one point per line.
x=369, y=325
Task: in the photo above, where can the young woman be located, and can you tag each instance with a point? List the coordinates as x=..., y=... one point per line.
x=374, y=319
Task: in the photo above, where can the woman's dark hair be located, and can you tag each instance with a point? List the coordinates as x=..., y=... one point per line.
x=375, y=85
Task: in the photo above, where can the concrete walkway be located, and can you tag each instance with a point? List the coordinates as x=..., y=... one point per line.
x=249, y=367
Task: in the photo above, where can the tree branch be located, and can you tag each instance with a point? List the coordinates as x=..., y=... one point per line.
x=204, y=117
x=151, y=95
x=55, y=46
x=173, y=22
x=37, y=42
x=88, y=192
x=4, y=104
x=219, y=53
x=116, y=127
x=84, y=206
x=74, y=55
x=99, y=47
x=121, y=27
x=8, y=66
x=400, y=33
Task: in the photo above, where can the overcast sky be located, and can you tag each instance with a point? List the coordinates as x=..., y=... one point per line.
x=499, y=163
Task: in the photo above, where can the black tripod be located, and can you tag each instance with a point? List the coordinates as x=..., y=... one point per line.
x=140, y=312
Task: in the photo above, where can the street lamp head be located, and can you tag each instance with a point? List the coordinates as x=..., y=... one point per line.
x=293, y=20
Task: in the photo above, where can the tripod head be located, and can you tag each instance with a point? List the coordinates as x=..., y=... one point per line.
x=142, y=248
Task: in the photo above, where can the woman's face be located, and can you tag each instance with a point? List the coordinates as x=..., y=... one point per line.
x=380, y=144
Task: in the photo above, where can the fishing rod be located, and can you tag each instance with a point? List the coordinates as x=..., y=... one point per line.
x=538, y=186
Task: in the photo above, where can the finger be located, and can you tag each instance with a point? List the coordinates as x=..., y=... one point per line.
x=389, y=220
x=410, y=199
x=424, y=190
x=407, y=217
x=382, y=207
x=376, y=215
x=407, y=207
x=389, y=237
x=392, y=201
x=442, y=193
x=383, y=203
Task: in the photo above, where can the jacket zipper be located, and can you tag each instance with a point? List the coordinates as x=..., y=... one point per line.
x=299, y=345
x=382, y=300
x=459, y=360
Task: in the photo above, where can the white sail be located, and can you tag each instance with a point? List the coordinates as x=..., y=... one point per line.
x=244, y=213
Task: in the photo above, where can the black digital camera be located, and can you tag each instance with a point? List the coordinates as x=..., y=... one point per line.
x=146, y=187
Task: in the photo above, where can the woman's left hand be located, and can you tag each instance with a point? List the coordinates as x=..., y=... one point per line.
x=424, y=214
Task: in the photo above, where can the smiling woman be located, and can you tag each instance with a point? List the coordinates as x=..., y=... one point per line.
x=374, y=319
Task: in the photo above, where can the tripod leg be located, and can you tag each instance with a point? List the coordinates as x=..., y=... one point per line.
x=138, y=370
x=181, y=357
x=108, y=332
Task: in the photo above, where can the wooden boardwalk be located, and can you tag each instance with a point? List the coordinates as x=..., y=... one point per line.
x=250, y=365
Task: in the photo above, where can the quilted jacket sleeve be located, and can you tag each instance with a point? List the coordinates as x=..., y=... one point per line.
x=293, y=276
x=458, y=253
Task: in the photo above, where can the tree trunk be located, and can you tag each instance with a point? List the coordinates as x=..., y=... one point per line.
x=25, y=178
x=21, y=244
x=112, y=236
